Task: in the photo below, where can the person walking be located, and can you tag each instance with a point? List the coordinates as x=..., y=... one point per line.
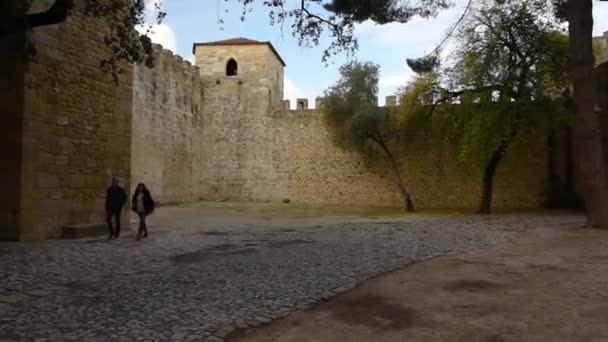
x=116, y=198
x=143, y=205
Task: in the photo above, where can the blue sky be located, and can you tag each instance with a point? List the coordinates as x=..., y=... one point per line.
x=307, y=76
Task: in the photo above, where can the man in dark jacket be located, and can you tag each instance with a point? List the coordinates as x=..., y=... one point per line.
x=116, y=198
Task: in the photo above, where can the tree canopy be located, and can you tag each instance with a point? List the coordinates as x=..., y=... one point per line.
x=121, y=17
x=507, y=77
x=351, y=109
x=350, y=105
x=314, y=17
x=311, y=19
x=308, y=19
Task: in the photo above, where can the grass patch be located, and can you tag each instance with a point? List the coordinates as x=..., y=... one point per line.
x=269, y=211
x=295, y=211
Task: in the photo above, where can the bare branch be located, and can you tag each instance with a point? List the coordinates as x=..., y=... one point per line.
x=309, y=15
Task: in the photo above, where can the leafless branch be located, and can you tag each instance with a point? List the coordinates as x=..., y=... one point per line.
x=309, y=15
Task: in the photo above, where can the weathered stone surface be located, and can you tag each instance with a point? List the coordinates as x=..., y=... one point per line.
x=75, y=127
x=167, y=128
x=302, y=104
x=192, y=133
x=318, y=103
x=124, y=290
x=233, y=143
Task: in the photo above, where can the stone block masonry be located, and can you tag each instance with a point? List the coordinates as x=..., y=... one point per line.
x=75, y=132
x=203, y=132
x=316, y=171
x=167, y=128
x=248, y=147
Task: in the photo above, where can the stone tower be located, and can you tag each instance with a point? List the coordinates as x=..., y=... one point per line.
x=242, y=91
x=251, y=65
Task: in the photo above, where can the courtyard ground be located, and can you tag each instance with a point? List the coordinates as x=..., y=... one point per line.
x=548, y=284
x=209, y=269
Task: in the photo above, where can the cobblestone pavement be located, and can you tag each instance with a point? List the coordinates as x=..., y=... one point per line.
x=189, y=282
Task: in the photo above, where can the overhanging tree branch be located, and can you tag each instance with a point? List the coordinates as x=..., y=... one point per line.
x=57, y=13
x=451, y=95
x=430, y=61
x=309, y=15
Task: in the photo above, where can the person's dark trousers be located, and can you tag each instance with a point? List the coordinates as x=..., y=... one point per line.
x=142, y=226
x=116, y=215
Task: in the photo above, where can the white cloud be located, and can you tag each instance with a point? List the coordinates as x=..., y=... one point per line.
x=292, y=92
x=421, y=36
x=600, y=13
x=418, y=35
x=161, y=34
x=151, y=11
x=394, y=81
x=426, y=33
x=415, y=38
x=389, y=84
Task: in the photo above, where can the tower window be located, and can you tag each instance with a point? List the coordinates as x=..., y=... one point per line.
x=231, y=68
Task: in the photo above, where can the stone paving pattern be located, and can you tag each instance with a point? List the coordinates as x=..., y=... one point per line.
x=193, y=283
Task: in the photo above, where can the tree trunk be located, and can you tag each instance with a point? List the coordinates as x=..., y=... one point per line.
x=553, y=187
x=574, y=201
x=591, y=168
x=408, y=204
x=568, y=174
x=488, y=180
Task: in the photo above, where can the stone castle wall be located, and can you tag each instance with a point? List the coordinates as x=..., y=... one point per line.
x=192, y=134
x=75, y=132
x=319, y=172
x=241, y=143
x=222, y=138
x=601, y=43
x=205, y=137
x=167, y=128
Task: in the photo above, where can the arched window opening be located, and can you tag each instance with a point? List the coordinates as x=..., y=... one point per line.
x=231, y=68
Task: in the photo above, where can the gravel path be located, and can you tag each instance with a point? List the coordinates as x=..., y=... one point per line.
x=193, y=283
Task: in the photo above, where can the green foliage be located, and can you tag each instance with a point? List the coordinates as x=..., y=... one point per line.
x=310, y=20
x=124, y=42
x=120, y=17
x=417, y=98
x=505, y=83
x=351, y=111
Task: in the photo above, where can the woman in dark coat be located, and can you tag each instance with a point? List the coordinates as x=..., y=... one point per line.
x=143, y=205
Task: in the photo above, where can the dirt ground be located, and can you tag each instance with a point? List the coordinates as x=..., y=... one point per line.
x=545, y=285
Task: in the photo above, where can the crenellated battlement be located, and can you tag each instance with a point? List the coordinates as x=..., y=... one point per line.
x=302, y=103
x=168, y=59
